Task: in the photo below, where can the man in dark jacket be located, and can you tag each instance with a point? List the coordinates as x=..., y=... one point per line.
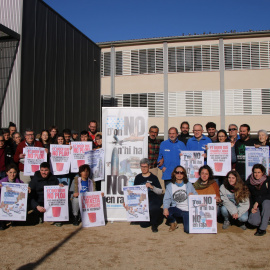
x=42, y=178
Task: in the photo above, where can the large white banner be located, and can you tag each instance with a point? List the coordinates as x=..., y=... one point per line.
x=56, y=203
x=91, y=208
x=125, y=136
x=192, y=161
x=60, y=158
x=136, y=201
x=219, y=156
x=13, y=201
x=202, y=214
x=256, y=156
x=77, y=154
x=34, y=156
x=95, y=159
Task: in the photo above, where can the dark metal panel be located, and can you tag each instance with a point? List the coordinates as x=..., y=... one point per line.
x=61, y=79
x=50, y=100
x=60, y=92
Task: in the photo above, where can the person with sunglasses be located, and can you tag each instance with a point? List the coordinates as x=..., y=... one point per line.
x=233, y=133
x=175, y=202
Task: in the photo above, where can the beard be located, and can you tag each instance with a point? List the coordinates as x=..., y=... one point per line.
x=243, y=136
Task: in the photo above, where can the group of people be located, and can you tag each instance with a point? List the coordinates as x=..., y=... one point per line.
x=12, y=164
x=240, y=199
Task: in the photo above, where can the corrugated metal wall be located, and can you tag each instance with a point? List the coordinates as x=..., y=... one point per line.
x=60, y=71
x=11, y=17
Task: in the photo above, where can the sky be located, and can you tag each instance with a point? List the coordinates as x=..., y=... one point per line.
x=111, y=20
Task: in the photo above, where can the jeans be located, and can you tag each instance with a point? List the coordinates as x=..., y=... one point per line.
x=176, y=212
x=225, y=213
x=261, y=217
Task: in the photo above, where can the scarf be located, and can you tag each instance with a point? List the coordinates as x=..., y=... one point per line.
x=257, y=183
x=199, y=184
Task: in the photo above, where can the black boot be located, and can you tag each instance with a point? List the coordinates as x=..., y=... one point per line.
x=260, y=232
x=76, y=221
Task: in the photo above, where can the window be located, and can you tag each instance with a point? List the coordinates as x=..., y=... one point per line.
x=193, y=58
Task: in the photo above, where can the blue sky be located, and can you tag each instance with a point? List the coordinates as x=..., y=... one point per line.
x=111, y=20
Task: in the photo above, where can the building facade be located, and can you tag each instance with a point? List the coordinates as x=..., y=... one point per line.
x=222, y=78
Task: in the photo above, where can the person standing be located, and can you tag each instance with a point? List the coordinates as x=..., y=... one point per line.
x=93, y=130
x=211, y=129
x=240, y=150
x=170, y=151
x=19, y=155
x=184, y=135
x=153, y=149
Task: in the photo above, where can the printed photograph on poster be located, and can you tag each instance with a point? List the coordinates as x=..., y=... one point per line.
x=91, y=208
x=13, y=201
x=219, y=156
x=60, y=158
x=254, y=156
x=136, y=201
x=202, y=214
x=95, y=159
x=77, y=155
x=34, y=156
x=56, y=203
x=192, y=161
x=125, y=138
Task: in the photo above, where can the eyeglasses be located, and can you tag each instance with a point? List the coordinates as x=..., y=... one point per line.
x=232, y=129
x=179, y=172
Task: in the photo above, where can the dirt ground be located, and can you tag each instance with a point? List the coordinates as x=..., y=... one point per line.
x=120, y=245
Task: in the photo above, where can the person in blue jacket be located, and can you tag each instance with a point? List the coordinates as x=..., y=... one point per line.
x=198, y=142
x=170, y=151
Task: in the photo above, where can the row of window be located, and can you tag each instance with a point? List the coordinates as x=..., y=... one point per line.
x=199, y=103
x=250, y=55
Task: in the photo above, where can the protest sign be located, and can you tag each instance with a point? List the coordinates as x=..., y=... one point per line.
x=13, y=201
x=202, y=214
x=256, y=155
x=136, y=201
x=60, y=158
x=34, y=156
x=56, y=203
x=219, y=158
x=78, y=150
x=95, y=159
x=192, y=161
x=125, y=137
x=91, y=208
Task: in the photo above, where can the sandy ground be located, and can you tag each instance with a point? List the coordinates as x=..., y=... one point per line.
x=120, y=245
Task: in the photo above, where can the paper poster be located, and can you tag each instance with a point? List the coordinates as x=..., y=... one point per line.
x=95, y=159
x=60, y=158
x=13, y=201
x=56, y=203
x=91, y=208
x=136, y=199
x=192, y=161
x=34, y=156
x=219, y=156
x=202, y=214
x=256, y=156
x=125, y=137
x=77, y=154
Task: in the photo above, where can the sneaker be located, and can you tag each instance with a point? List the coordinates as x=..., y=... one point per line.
x=154, y=229
x=226, y=224
x=58, y=224
x=243, y=226
x=76, y=221
x=260, y=232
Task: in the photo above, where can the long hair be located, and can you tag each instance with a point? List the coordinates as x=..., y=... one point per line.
x=185, y=179
x=241, y=192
